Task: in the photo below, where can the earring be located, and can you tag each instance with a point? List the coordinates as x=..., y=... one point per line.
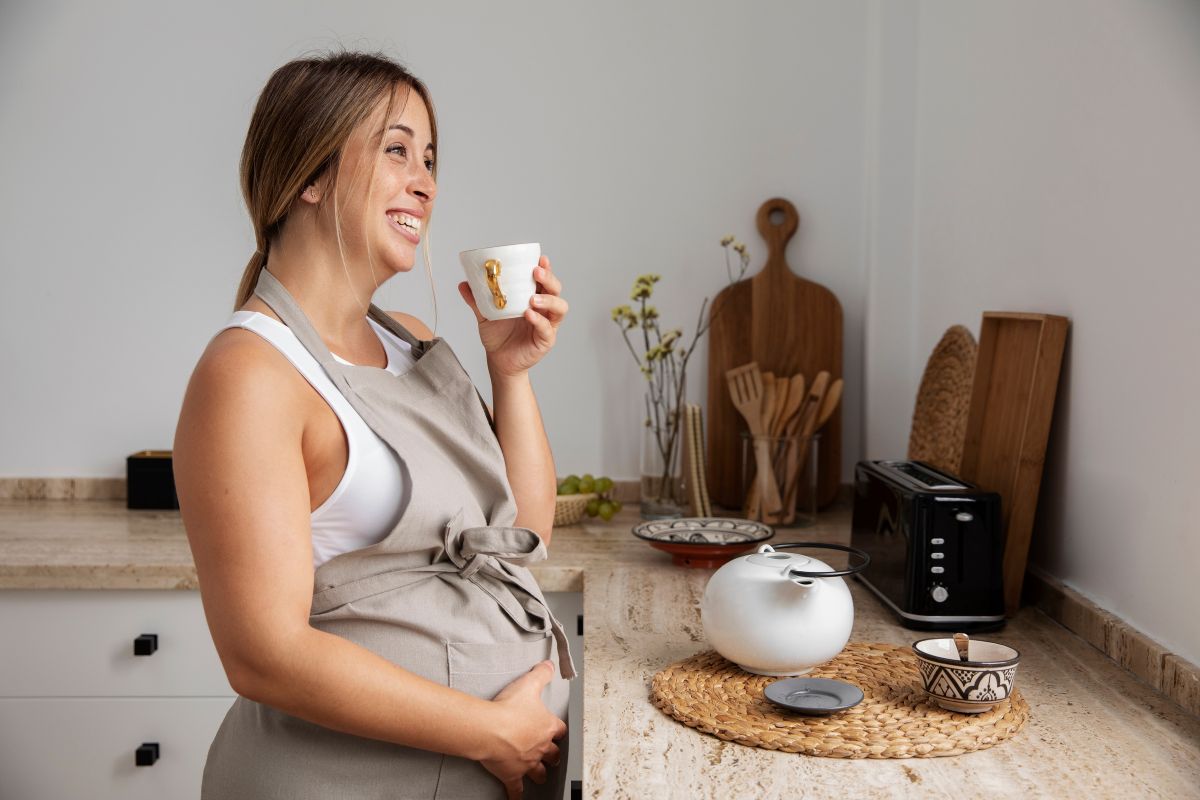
x=312, y=193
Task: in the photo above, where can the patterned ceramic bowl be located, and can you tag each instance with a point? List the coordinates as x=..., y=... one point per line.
x=970, y=686
x=706, y=542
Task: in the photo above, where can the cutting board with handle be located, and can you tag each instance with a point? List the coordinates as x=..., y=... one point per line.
x=788, y=325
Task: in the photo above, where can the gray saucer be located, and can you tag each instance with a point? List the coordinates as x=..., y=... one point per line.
x=813, y=696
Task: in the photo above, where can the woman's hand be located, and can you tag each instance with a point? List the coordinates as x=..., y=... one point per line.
x=515, y=345
x=526, y=732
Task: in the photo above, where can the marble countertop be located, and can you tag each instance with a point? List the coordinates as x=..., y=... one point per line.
x=1095, y=730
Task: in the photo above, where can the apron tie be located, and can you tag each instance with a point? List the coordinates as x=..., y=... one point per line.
x=486, y=555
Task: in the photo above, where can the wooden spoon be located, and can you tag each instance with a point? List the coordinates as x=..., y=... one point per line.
x=796, y=452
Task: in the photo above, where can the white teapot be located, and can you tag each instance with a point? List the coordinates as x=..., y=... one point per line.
x=774, y=613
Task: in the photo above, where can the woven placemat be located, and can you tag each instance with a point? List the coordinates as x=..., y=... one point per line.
x=894, y=720
x=939, y=423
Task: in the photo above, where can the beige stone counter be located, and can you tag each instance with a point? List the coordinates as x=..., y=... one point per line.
x=1095, y=730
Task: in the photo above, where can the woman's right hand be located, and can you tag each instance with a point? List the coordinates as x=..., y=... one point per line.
x=524, y=732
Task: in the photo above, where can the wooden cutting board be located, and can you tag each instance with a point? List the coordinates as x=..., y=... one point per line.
x=1008, y=424
x=788, y=325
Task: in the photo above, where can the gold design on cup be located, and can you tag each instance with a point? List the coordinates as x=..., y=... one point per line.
x=491, y=269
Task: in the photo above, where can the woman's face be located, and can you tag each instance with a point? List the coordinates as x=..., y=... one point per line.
x=388, y=222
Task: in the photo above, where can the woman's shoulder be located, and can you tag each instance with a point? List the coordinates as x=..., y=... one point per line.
x=241, y=372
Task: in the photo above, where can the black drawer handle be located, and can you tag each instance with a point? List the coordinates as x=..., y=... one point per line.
x=147, y=754
x=145, y=645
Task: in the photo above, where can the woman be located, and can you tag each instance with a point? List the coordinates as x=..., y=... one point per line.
x=359, y=520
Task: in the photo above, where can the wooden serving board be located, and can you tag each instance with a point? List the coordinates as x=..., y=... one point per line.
x=1008, y=425
x=788, y=325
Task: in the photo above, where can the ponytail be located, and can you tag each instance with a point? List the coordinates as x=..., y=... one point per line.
x=253, y=269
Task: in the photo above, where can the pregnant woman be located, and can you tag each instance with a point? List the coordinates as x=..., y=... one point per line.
x=360, y=521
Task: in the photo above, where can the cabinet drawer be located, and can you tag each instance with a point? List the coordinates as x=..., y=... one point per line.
x=81, y=644
x=51, y=749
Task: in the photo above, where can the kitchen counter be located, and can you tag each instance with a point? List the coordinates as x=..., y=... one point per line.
x=1094, y=731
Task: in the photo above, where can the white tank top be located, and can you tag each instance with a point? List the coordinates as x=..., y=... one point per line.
x=372, y=492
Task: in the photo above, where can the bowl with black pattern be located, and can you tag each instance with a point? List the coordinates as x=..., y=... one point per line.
x=705, y=542
x=970, y=686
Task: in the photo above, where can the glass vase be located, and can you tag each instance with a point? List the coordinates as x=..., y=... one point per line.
x=661, y=480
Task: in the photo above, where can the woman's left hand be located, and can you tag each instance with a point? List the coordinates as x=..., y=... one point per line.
x=514, y=345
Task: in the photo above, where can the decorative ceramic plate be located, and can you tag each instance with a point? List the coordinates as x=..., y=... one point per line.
x=813, y=696
x=703, y=541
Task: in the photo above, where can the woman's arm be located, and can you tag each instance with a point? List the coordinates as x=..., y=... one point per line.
x=513, y=347
x=243, y=490
x=527, y=457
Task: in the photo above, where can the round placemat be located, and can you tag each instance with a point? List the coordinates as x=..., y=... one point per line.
x=894, y=720
x=939, y=423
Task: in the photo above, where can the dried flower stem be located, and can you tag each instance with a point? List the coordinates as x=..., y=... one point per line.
x=664, y=364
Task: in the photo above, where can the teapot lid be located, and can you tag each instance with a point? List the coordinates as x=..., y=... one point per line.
x=767, y=556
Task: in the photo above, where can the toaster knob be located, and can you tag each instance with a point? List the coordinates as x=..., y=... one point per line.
x=939, y=593
x=964, y=516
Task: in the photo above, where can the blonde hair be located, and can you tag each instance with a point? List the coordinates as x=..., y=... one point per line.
x=303, y=118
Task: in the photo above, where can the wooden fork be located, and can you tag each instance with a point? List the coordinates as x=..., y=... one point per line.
x=746, y=390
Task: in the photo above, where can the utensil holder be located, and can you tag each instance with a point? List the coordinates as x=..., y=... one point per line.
x=794, y=470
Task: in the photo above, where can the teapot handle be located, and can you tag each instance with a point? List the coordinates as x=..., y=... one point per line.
x=864, y=558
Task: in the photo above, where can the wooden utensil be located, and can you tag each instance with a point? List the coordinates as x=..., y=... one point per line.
x=829, y=404
x=746, y=390
x=807, y=424
x=787, y=325
x=769, y=409
x=1008, y=425
x=784, y=420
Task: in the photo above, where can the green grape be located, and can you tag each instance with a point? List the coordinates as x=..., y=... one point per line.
x=616, y=504
x=593, y=507
x=570, y=487
x=603, y=484
x=562, y=488
x=572, y=478
x=587, y=476
x=588, y=484
x=607, y=509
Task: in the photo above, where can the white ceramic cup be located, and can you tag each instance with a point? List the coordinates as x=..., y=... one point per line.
x=501, y=278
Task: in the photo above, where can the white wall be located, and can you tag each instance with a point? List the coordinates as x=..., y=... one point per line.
x=626, y=137
x=947, y=158
x=1055, y=167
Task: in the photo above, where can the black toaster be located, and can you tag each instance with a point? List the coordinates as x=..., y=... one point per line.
x=935, y=542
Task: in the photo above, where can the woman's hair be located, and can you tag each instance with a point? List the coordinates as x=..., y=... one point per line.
x=301, y=123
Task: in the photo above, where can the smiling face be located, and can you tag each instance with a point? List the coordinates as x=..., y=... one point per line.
x=384, y=215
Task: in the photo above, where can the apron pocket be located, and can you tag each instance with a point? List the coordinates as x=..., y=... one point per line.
x=482, y=670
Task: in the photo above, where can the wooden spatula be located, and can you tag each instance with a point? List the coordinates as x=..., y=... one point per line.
x=746, y=391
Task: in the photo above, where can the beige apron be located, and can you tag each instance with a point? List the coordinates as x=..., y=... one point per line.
x=446, y=594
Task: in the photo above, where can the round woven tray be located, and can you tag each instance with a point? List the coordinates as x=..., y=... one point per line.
x=894, y=720
x=939, y=424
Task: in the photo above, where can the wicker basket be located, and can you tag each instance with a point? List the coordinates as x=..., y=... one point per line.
x=569, y=508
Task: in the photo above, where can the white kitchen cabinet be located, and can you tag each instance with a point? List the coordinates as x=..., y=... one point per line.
x=84, y=747
x=567, y=608
x=81, y=644
x=76, y=703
